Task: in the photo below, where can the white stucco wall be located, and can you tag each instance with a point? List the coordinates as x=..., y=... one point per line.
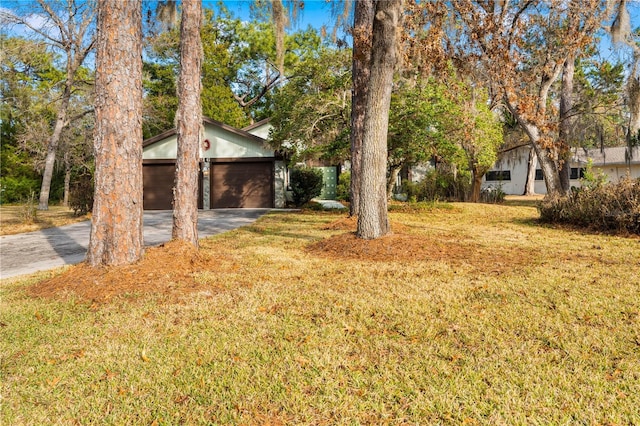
x=225, y=144
x=261, y=131
x=162, y=150
x=517, y=160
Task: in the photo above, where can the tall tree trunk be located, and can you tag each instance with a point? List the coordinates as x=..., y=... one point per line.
x=52, y=148
x=67, y=179
x=633, y=94
x=393, y=179
x=530, y=183
x=546, y=161
x=362, y=28
x=189, y=125
x=373, y=218
x=116, y=227
x=564, y=134
x=476, y=184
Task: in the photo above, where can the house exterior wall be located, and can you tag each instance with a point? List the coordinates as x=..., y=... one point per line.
x=516, y=163
x=163, y=150
x=261, y=131
x=224, y=144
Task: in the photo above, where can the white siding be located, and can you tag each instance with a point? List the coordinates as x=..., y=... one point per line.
x=162, y=150
x=226, y=144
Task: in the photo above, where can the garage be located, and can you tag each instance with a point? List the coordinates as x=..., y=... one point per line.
x=238, y=168
x=157, y=178
x=242, y=184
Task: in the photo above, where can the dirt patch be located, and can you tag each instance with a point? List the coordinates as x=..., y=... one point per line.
x=167, y=270
x=402, y=247
x=350, y=223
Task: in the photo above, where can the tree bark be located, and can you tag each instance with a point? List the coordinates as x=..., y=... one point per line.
x=530, y=184
x=564, y=134
x=393, y=179
x=116, y=227
x=52, y=148
x=476, y=184
x=373, y=219
x=189, y=125
x=362, y=27
x=546, y=161
x=67, y=180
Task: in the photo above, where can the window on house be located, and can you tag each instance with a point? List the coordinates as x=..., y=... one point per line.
x=539, y=174
x=498, y=175
x=577, y=173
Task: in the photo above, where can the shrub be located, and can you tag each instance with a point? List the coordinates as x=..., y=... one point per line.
x=306, y=183
x=17, y=189
x=81, y=195
x=492, y=194
x=343, y=190
x=606, y=207
x=437, y=186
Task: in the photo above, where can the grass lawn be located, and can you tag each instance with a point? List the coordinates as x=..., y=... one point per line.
x=16, y=219
x=468, y=314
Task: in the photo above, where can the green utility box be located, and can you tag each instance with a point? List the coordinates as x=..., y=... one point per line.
x=329, y=183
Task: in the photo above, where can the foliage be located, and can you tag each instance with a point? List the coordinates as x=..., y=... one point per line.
x=438, y=185
x=306, y=183
x=343, y=191
x=603, y=207
x=238, y=75
x=29, y=209
x=598, y=114
x=591, y=178
x=81, y=196
x=492, y=194
x=312, y=112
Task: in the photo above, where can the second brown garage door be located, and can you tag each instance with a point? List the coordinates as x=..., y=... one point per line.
x=242, y=184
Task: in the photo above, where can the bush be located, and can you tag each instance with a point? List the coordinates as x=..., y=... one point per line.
x=306, y=183
x=438, y=186
x=17, y=189
x=492, y=194
x=81, y=195
x=343, y=190
x=606, y=207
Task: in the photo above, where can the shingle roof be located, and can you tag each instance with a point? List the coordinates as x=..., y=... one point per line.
x=613, y=155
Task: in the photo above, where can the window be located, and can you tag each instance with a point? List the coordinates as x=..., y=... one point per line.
x=539, y=174
x=498, y=175
x=576, y=173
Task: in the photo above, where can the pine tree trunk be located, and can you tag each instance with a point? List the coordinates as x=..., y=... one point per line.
x=373, y=220
x=530, y=184
x=116, y=228
x=362, y=27
x=52, y=148
x=564, y=135
x=189, y=125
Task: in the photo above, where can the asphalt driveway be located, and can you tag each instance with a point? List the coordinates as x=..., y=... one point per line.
x=53, y=247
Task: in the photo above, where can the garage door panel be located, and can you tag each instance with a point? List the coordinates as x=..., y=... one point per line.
x=248, y=185
x=158, y=186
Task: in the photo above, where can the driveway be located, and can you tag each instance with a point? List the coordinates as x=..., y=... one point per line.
x=53, y=247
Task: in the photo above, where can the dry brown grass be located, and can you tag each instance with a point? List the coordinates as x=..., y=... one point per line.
x=471, y=314
x=15, y=219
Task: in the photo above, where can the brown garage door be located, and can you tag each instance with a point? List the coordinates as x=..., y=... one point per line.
x=158, y=183
x=248, y=185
